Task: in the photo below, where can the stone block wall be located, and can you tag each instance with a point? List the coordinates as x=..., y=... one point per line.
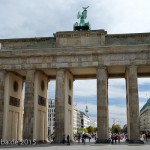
x=127, y=39
x=28, y=43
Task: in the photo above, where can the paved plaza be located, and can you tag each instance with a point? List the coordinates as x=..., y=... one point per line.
x=81, y=146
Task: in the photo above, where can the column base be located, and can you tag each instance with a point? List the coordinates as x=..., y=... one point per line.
x=134, y=141
x=103, y=141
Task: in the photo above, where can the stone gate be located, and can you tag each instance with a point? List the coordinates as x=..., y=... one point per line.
x=67, y=56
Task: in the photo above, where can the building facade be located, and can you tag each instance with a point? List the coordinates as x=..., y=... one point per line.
x=86, y=121
x=75, y=119
x=51, y=116
x=80, y=119
x=145, y=117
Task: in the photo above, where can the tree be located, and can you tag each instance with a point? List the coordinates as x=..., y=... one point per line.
x=82, y=129
x=95, y=129
x=90, y=129
x=116, y=128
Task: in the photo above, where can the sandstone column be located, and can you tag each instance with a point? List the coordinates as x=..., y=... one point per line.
x=132, y=104
x=60, y=105
x=102, y=105
x=2, y=76
x=29, y=105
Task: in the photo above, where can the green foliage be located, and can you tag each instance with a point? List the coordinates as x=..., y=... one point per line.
x=116, y=128
x=124, y=129
x=90, y=129
x=95, y=129
x=82, y=129
x=85, y=130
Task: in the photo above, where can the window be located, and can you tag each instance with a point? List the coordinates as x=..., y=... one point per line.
x=69, y=100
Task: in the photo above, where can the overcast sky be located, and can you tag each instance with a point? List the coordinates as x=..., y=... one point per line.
x=42, y=18
x=38, y=18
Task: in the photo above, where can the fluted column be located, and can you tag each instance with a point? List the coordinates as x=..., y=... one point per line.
x=102, y=105
x=60, y=105
x=2, y=76
x=132, y=104
x=29, y=105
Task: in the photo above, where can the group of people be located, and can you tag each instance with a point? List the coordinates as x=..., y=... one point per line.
x=79, y=137
x=115, y=137
x=145, y=136
x=82, y=137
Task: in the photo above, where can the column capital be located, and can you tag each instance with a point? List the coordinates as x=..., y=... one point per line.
x=60, y=69
x=131, y=66
x=101, y=67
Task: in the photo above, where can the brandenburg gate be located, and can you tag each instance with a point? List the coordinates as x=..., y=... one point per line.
x=67, y=56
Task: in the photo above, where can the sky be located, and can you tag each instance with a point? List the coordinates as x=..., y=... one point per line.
x=42, y=18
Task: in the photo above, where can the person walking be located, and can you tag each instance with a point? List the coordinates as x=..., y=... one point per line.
x=90, y=137
x=79, y=136
x=115, y=138
x=119, y=137
x=112, y=138
x=68, y=139
x=83, y=138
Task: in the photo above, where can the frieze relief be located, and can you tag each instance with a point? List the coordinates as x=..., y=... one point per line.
x=13, y=101
x=41, y=100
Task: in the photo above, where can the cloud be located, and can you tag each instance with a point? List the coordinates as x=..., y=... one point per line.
x=32, y=18
x=85, y=88
x=143, y=81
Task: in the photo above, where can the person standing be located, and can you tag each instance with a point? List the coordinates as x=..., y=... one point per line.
x=68, y=139
x=79, y=138
x=115, y=138
x=112, y=138
x=119, y=137
x=90, y=137
x=83, y=138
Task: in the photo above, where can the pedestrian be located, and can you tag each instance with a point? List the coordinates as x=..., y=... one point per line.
x=115, y=138
x=112, y=138
x=146, y=136
x=90, y=137
x=119, y=137
x=83, y=138
x=68, y=139
x=79, y=136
